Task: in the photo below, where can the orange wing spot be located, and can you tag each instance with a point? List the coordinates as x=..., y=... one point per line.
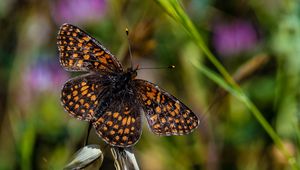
x=132, y=120
x=84, y=92
x=117, y=138
x=172, y=113
x=179, y=127
x=96, y=63
x=75, y=55
x=99, y=53
x=120, y=131
x=119, y=118
x=76, y=106
x=105, y=128
x=188, y=121
x=100, y=120
x=176, y=120
x=128, y=121
x=91, y=111
x=103, y=60
x=158, y=109
x=71, y=39
x=93, y=97
x=69, y=97
x=71, y=62
x=86, y=38
x=79, y=63
x=82, y=111
x=148, y=102
x=124, y=138
x=126, y=112
x=163, y=120
x=177, y=105
x=129, y=142
x=166, y=128
x=84, y=87
x=150, y=95
x=148, y=88
x=86, y=56
x=158, y=97
x=124, y=121
x=76, y=86
x=71, y=103
x=154, y=118
x=107, y=56
x=116, y=126
x=81, y=101
x=176, y=110
x=112, y=132
x=116, y=114
x=86, y=105
x=74, y=34
x=162, y=99
x=156, y=126
x=83, y=83
x=184, y=115
x=75, y=93
x=85, y=51
x=132, y=128
x=79, y=44
x=109, y=123
x=126, y=131
x=174, y=130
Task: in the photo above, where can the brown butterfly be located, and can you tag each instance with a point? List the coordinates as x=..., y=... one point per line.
x=111, y=98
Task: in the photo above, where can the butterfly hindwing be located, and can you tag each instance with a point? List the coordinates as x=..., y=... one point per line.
x=80, y=52
x=165, y=114
x=80, y=96
x=120, y=123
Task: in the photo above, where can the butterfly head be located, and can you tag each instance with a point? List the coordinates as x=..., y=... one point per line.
x=132, y=72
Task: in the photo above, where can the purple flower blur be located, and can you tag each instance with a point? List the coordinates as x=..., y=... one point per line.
x=78, y=11
x=234, y=38
x=45, y=75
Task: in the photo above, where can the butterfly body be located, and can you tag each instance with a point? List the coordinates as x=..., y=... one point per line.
x=111, y=98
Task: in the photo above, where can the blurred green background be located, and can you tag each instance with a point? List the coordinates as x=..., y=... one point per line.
x=258, y=42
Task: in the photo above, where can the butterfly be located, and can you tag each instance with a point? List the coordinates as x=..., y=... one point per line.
x=111, y=98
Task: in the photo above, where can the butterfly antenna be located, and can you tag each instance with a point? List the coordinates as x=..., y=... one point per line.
x=129, y=48
x=168, y=67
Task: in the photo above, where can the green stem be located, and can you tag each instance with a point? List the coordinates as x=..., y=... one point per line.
x=174, y=9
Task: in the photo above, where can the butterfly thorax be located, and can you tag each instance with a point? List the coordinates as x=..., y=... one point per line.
x=123, y=80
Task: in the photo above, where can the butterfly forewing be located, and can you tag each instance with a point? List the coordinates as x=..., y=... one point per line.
x=120, y=123
x=165, y=114
x=80, y=96
x=80, y=52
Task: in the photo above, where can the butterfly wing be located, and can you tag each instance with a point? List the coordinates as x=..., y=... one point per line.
x=165, y=114
x=120, y=123
x=82, y=95
x=78, y=51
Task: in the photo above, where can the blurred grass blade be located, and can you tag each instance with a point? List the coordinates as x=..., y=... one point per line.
x=85, y=156
x=175, y=11
x=124, y=159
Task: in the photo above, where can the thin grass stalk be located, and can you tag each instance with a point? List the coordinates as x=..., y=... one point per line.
x=175, y=11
